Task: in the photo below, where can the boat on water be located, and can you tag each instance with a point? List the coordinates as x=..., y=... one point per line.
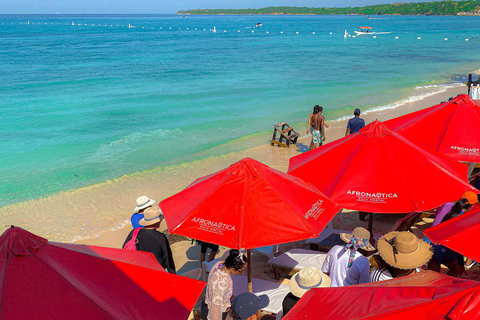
x=258, y=25
x=367, y=30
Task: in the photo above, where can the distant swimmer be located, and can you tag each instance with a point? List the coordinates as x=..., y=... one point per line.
x=258, y=25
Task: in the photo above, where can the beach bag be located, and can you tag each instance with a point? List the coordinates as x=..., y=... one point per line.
x=132, y=243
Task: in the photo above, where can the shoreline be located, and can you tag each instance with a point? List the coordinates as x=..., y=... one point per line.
x=105, y=208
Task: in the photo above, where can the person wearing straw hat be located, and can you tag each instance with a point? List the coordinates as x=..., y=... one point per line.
x=301, y=282
x=454, y=261
x=347, y=265
x=403, y=253
x=151, y=240
x=248, y=306
x=143, y=203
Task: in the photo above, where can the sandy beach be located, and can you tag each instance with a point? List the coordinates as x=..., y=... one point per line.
x=186, y=254
x=118, y=197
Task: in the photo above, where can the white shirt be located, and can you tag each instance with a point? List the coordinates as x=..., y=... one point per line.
x=336, y=263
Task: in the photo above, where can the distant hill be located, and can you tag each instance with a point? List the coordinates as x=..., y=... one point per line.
x=447, y=7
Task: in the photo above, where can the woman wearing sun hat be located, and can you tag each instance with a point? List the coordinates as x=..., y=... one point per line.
x=403, y=253
x=301, y=282
x=454, y=261
x=347, y=265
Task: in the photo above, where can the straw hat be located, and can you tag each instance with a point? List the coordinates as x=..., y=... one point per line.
x=403, y=250
x=359, y=233
x=143, y=202
x=307, y=278
x=151, y=216
x=471, y=197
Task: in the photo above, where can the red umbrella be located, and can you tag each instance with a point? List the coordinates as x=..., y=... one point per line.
x=48, y=280
x=459, y=234
x=378, y=170
x=449, y=128
x=248, y=205
x=428, y=295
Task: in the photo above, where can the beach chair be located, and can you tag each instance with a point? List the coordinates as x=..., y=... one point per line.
x=285, y=133
x=268, y=251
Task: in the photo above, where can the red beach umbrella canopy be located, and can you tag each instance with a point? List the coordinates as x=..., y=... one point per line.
x=47, y=280
x=378, y=170
x=428, y=295
x=248, y=205
x=459, y=234
x=450, y=128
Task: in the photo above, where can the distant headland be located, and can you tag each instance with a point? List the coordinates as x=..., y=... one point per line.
x=470, y=7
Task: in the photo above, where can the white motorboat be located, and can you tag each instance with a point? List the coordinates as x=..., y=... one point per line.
x=367, y=31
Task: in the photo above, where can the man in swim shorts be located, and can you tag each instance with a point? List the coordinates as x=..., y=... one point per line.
x=318, y=129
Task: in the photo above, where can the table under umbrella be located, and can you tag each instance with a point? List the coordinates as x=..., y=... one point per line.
x=248, y=205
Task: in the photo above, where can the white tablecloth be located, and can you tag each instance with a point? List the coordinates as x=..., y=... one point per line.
x=275, y=291
x=299, y=259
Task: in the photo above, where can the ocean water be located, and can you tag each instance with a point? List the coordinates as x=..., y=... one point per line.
x=88, y=98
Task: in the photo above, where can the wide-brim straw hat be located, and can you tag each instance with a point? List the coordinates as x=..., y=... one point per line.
x=359, y=233
x=143, y=202
x=403, y=250
x=151, y=216
x=306, y=279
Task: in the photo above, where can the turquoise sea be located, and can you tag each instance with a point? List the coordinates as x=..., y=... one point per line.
x=88, y=98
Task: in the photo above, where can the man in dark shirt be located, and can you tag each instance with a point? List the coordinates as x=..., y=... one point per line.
x=150, y=240
x=355, y=124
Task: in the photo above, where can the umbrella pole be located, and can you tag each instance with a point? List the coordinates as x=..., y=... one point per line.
x=370, y=228
x=249, y=270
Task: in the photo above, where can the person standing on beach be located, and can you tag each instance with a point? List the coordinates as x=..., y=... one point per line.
x=355, y=124
x=316, y=126
x=153, y=241
x=143, y=203
x=401, y=253
x=347, y=265
x=454, y=261
x=220, y=286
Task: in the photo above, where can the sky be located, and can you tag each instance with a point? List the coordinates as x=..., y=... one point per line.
x=161, y=6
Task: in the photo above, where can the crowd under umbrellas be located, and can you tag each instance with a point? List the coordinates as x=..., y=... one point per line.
x=249, y=205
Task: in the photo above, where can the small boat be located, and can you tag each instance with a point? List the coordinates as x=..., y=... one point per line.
x=364, y=30
x=258, y=25
x=367, y=30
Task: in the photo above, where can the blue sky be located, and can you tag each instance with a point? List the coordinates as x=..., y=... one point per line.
x=161, y=6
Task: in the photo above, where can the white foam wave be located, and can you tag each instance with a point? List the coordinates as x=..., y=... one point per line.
x=423, y=92
x=129, y=144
